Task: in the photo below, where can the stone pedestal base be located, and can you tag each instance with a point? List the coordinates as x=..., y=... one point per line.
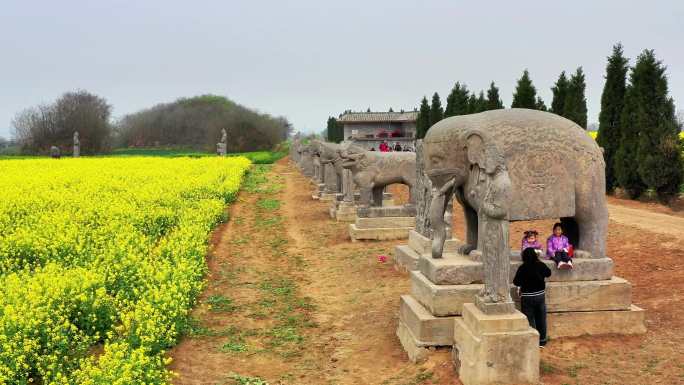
x=328, y=197
x=343, y=212
x=381, y=228
x=406, y=257
x=588, y=297
x=316, y=195
x=495, y=349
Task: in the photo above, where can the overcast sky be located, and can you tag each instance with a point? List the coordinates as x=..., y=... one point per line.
x=308, y=60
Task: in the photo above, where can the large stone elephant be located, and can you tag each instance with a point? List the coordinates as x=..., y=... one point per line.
x=555, y=171
x=372, y=171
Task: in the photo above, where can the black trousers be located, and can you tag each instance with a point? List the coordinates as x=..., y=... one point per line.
x=561, y=256
x=534, y=308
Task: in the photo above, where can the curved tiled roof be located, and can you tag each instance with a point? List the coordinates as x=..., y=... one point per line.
x=361, y=117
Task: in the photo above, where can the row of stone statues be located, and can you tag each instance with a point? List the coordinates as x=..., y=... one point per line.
x=500, y=166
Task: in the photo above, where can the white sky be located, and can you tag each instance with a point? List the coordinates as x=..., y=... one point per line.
x=308, y=60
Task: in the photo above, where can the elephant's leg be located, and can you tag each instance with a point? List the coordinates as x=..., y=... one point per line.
x=377, y=196
x=365, y=196
x=439, y=226
x=591, y=213
x=471, y=223
x=471, y=230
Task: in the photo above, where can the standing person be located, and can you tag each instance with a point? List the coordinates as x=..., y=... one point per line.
x=397, y=146
x=384, y=147
x=558, y=248
x=531, y=285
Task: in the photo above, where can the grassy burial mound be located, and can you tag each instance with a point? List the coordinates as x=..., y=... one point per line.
x=100, y=261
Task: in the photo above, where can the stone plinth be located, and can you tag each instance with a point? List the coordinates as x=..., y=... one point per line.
x=406, y=257
x=343, y=212
x=447, y=300
x=381, y=223
x=589, y=296
x=495, y=349
x=456, y=269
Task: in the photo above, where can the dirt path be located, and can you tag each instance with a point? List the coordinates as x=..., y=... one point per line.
x=647, y=220
x=291, y=301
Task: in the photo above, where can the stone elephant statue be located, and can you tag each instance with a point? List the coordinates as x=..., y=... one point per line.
x=555, y=171
x=372, y=171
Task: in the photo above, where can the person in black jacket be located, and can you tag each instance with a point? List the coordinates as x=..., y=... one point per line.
x=530, y=279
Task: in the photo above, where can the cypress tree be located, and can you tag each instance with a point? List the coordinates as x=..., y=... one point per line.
x=493, y=100
x=335, y=130
x=539, y=104
x=472, y=104
x=481, y=102
x=436, y=111
x=560, y=90
x=612, y=102
x=423, y=120
x=658, y=149
x=575, y=107
x=457, y=101
x=525, y=93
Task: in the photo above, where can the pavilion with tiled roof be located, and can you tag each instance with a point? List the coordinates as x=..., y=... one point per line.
x=369, y=129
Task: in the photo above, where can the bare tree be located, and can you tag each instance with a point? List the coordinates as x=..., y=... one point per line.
x=38, y=128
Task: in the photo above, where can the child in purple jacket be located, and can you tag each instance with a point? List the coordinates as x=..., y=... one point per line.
x=557, y=247
x=530, y=241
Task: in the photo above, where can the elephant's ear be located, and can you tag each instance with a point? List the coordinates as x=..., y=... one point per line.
x=482, y=151
x=475, y=143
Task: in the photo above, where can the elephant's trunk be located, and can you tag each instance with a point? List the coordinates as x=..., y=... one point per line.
x=437, y=209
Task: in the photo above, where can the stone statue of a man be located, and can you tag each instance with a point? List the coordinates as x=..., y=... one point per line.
x=77, y=145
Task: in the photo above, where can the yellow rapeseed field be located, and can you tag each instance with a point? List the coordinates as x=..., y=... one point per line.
x=106, y=255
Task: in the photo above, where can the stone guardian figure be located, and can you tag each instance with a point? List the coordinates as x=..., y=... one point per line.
x=223, y=144
x=77, y=145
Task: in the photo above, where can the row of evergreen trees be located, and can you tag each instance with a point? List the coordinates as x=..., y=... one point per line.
x=569, y=100
x=638, y=128
x=459, y=102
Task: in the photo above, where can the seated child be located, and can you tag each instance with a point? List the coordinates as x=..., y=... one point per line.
x=530, y=240
x=530, y=279
x=557, y=247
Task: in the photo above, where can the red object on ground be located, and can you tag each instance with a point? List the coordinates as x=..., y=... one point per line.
x=571, y=251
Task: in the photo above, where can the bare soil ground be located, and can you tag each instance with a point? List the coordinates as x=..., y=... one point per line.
x=291, y=300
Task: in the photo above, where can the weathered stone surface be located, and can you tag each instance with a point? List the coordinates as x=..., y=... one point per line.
x=455, y=269
x=405, y=258
x=422, y=245
x=385, y=222
x=423, y=323
x=630, y=321
x=346, y=212
x=426, y=328
x=496, y=349
x=423, y=192
x=445, y=300
x=306, y=161
x=385, y=211
x=330, y=179
x=373, y=170
x=539, y=150
x=77, y=145
x=378, y=234
x=416, y=350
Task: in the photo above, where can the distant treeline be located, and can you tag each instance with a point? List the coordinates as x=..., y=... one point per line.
x=197, y=122
x=187, y=122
